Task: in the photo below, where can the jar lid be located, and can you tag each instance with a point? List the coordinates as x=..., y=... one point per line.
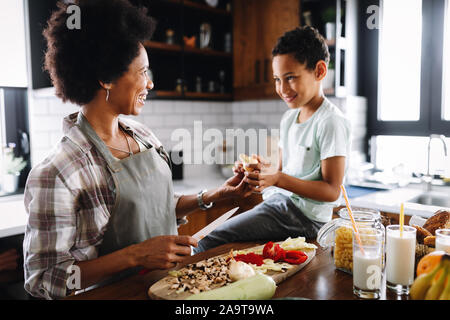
x=360, y=214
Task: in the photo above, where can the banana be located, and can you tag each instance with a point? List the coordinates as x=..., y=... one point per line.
x=436, y=289
x=422, y=283
x=446, y=293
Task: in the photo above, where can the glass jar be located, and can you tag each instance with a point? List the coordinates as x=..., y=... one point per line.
x=338, y=234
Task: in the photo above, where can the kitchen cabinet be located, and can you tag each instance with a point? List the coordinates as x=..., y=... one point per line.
x=175, y=65
x=183, y=69
x=257, y=24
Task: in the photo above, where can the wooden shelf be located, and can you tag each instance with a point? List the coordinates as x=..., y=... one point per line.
x=178, y=61
x=163, y=46
x=204, y=7
x=167, y=94
x=208, y=95
x=190, y=95
x=208, y=52
x=197, y=6
x=190, y=50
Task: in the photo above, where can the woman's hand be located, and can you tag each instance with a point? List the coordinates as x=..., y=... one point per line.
x=262, y=176
x=238, y=168
x=8, y=260
x=235, y=187
x=162, y=252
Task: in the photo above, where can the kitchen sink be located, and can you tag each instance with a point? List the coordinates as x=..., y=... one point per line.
x=431, y=198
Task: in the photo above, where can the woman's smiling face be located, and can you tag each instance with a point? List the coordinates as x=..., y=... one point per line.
x=129, y=92
x=294, y=83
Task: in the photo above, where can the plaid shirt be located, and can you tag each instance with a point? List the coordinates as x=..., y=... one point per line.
x=69, y=197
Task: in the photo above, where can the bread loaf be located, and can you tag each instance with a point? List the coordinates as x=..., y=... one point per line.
x=440, y=220
x=421, y=234
x=430, y=241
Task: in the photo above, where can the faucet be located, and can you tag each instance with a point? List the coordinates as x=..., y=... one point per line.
x=428, y=179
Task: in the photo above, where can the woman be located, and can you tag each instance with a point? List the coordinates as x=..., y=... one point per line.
x=103, y=199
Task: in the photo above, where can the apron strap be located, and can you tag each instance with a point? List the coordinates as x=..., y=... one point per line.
x=87, y=129
x=162, y=153
x=112, y=162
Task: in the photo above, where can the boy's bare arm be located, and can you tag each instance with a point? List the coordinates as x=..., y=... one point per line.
x=326, y=190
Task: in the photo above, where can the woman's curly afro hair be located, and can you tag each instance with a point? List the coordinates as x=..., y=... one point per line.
x=101, y=50
x=306, y=44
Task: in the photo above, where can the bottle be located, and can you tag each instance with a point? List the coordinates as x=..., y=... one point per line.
x=211, y=86
x=198, y=84
x=222, y=81
x=179, y=85
x=170, y=36
x=227, y=44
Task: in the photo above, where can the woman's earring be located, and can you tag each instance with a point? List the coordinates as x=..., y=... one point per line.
x=107, y=94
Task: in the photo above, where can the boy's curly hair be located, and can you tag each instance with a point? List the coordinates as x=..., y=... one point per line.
x=101, y=50
x=305, y=44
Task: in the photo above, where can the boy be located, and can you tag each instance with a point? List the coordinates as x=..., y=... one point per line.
x=314, y=145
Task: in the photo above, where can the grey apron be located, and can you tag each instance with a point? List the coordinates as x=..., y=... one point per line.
x=144, y=205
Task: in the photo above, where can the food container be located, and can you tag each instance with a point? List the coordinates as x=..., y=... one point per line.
x=338, y=234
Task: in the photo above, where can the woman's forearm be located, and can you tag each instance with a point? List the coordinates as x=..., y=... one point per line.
x=316, y=190
x=99, y=269
x=188, y=203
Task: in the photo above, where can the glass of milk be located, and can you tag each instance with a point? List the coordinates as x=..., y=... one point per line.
x=368, y=263
x=400, y=258
x=443, y=240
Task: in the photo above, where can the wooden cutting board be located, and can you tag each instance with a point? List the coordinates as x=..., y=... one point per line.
x=160, y=290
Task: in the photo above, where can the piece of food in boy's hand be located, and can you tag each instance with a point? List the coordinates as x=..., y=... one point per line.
x=247, y=161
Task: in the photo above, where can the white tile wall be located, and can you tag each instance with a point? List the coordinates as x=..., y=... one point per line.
x=164, y=116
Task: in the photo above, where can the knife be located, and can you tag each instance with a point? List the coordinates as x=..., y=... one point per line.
x=213, y=225
x=206, y=230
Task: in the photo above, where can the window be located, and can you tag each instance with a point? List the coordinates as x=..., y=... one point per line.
x=411, y=98
x=400, y=60
x=12, y=38
x=412, y=92
x=401, y=152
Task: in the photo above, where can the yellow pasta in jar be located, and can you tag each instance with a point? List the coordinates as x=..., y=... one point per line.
x=343, y=250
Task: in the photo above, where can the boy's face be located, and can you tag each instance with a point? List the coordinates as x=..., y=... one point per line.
x=294, y=83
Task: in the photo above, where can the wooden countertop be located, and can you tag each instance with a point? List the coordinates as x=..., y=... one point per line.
x=319, y=280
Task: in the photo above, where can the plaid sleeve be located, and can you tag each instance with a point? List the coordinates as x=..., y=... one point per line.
x=49, y=235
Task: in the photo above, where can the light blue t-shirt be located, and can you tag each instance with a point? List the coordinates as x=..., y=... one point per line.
x=326, y=134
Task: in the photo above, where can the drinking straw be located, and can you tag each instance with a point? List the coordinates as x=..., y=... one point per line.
x=349, y=209
x=402, y=218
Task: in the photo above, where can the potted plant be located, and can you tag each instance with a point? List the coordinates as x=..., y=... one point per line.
x=329, y=18
x=12, y=166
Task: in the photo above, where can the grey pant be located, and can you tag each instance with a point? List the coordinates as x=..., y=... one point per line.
x=275, y=219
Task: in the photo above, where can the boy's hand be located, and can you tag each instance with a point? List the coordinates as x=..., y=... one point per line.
x=263, y=175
